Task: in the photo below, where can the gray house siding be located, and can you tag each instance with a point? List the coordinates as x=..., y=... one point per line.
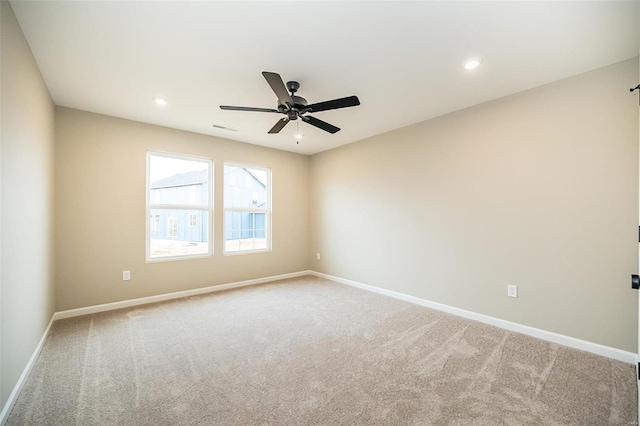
x=244, y=225
x=243, y=189
x=159, y=225
x=183, y=189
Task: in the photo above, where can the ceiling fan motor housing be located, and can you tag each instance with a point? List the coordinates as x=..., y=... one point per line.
x=299, y=101
x=292, y=111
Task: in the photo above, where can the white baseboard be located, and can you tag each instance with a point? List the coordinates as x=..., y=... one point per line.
x=572, y=342
x=13, y=397
x=618, y=354
x=168, y=296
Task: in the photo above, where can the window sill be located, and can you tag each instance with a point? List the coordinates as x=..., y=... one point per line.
x=178, y=258
x=241, y=252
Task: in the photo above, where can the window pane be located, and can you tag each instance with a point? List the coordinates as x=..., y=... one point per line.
x=245, y=187
x=178, y=181
x=173, y=234
x=245, y=231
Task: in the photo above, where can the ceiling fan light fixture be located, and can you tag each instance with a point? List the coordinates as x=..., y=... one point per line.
x=298, y=135
x=159, y=101
x=471, y=64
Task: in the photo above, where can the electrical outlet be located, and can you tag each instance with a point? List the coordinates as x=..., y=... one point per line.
x=512, y=290
x=317, y=256
x=126, y=275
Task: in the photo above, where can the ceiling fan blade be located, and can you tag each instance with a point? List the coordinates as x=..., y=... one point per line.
x=320, y=124
x=349, y=101
x=279, y=125
x=278, y=87
x=239, y=108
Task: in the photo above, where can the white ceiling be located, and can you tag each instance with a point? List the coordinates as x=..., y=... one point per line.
x=402, y=59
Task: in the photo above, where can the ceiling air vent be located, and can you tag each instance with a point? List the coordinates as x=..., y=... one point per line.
x=217, y=126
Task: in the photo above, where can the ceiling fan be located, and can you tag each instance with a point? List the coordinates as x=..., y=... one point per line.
x=295, y=107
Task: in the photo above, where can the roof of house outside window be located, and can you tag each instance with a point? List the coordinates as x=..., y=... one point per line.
x=183, y=179
x=230, y=169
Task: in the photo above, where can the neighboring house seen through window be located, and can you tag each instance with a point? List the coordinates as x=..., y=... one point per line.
x=179, y=199
x=247, y=210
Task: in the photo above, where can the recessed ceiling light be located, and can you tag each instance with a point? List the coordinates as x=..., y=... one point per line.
x=471, y=65
x=159, y=101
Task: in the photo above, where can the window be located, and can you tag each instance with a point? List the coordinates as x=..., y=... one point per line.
x=179, y=196
x=172, y=227
x=247, y=210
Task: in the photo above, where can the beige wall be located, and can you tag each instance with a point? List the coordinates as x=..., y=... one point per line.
x=539, y=189
x=26, y=204
x=101, y=219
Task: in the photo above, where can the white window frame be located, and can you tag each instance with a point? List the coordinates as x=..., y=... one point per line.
x=207, y=208
x=266, y=210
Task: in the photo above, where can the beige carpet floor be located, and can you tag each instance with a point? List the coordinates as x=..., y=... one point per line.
x=312, y=352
